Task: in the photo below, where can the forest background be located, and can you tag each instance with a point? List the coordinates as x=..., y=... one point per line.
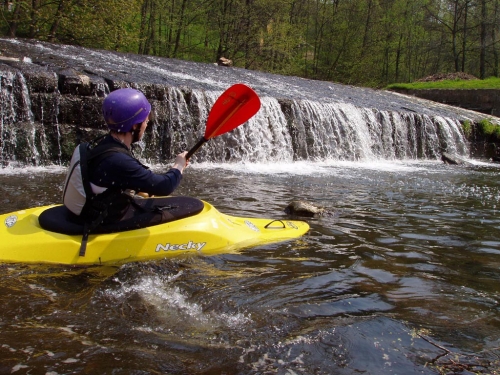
x=359, y=42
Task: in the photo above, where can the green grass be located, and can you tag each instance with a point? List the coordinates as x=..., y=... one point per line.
x=489, y=83
x=489, y=129
x=485, y=129
x=467, y=127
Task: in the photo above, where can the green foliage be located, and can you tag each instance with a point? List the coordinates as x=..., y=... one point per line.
x=467, y=128
x=102, y=24
x=360, y=42
x=489, y=129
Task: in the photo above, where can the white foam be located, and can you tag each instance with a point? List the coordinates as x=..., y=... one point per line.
x=308, y=168
x=13, y=170
x=174, y=305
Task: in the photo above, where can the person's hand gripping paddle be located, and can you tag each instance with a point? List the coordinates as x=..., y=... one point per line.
x=235, y=106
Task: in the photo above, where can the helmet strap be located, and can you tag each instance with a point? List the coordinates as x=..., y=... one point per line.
x=135, y=134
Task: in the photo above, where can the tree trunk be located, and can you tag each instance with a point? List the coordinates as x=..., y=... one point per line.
x=495, y=46
x=143, y=30
x=368, y=21
x=180, y=26
x=57, y=21
x=15, y=20
x=35, y=5
x=223, y=29
x=464, y=40
x=482, y=51
x=152, y=28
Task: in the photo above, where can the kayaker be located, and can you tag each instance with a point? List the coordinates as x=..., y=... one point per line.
x=114, y=172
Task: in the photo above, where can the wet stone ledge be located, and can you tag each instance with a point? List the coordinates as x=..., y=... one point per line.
x=486, y=101
x=52, y=96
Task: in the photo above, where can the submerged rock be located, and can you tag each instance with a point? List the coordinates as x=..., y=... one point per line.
x=307, y=209
x=453, y=159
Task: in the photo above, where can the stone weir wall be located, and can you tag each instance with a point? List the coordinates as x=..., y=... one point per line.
x=486, y=101
x=51, y=96
x=44, y=115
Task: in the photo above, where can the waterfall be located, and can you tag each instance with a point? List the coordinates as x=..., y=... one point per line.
x=282, y=130
x=315, y=131
x=305, y=130
x=52, y=100
x=18, y=129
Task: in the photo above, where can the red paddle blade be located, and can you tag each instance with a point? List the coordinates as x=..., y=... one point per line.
x=235, y=106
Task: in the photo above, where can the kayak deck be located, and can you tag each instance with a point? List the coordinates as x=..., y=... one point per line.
x=208, y=232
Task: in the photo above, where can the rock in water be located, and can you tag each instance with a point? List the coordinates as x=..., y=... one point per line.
x=452, y=159
x=303, y=208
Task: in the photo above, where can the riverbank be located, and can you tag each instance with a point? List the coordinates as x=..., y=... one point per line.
x=486, y=101
x=456, y=89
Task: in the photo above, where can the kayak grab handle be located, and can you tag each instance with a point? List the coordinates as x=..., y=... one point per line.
x=282, y=223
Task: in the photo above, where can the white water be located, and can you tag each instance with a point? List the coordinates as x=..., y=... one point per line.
x=299, y=119
x=318, y=131
x=298, y=168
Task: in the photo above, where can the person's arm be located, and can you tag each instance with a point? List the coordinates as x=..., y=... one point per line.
x=128, y=173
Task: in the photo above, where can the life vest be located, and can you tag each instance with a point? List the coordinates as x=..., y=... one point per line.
x=79, y=196
x=78, y=191
x=75, y=187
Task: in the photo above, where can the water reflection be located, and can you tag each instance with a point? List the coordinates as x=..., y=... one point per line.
x=402, y=278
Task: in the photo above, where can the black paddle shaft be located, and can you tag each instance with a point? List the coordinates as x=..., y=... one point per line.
x=195, y=148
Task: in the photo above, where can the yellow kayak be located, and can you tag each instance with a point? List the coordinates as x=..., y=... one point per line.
x=209, y=231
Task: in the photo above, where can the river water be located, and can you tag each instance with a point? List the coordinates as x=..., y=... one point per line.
x=402, y=278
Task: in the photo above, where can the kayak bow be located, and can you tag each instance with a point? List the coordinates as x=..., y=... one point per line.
x=208, y=232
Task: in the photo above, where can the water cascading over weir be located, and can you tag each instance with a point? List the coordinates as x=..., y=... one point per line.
x=51, y=99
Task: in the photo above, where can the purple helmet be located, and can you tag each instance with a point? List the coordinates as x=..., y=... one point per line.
x=123, y=108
